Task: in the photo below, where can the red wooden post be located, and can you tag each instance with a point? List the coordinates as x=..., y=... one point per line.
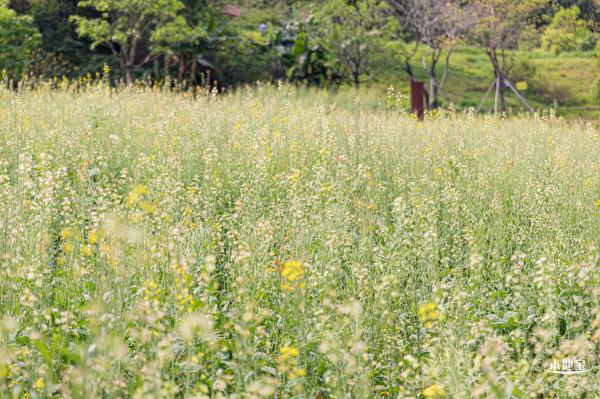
x=417, y=95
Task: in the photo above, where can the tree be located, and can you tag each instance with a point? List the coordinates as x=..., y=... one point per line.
x=18, y=39
x=62, y=51
x=131, y=29
x=300, y=52
x=498, y=25
x=439, y=25
x=566, y=32
x=354, y=32
x=178, y=41
x=589, y=10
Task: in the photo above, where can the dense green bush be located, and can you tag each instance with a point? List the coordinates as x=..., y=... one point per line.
x=522, y=69
x=567, y=32
x=18, y=38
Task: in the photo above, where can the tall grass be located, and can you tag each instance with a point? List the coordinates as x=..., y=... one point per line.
x=270, y=244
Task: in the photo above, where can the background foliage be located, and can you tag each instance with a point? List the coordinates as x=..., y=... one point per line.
x=331, y=44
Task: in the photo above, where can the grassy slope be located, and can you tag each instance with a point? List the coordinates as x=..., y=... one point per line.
x=566, y=79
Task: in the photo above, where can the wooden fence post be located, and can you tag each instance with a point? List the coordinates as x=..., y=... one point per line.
x=417, y=94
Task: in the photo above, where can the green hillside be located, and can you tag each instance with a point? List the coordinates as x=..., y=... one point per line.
x=565, y=80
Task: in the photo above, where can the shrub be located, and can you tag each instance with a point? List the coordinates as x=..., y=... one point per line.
x=18, y=39
x=551, y=89
x=566, y=32
x=530, y=39
x=522, y=70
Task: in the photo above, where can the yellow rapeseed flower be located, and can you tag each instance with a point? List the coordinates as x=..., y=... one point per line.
x=86, y=250
x=292, y=270
x=287, y=362
x=149, y=207
x=296, y=372
x=141, y=189
x=428, y=313
x=435, y=391
x=132, y=198
x=39, y=384
x=68, y=247
x=93, y=236
x=66, y=233
x=286, y=353
x=138, y=192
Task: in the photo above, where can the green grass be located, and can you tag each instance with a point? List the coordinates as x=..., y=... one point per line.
x=566, y=79
x=268, y=243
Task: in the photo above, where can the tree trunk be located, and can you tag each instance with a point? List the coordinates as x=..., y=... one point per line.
x=356, y=79
x=193, y=72
x=502, y=88
x=181, y=71
x=442, y=82
x=129, y=72
x=166, y=67
x=434, y=87
x=407, y=65
x=433, y=104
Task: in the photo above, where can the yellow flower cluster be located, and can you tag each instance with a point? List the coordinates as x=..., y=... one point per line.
x=287, y=362
x=151, y=290
x=292, y=270
x=292, y=273
x=139, y=196
x=185, y=300
x=138, y=192
x=94, y=236
x=39, y=384
x=286, y=353
x=428, y=313
x=435, y=391
x=75, y=239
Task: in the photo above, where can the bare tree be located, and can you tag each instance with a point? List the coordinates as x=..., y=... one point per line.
x=498, y=28
x=439, y=25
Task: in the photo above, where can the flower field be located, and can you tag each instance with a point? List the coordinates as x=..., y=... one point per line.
x=270, y=244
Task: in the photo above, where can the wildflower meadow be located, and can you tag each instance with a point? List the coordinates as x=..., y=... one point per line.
x=268, y=243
